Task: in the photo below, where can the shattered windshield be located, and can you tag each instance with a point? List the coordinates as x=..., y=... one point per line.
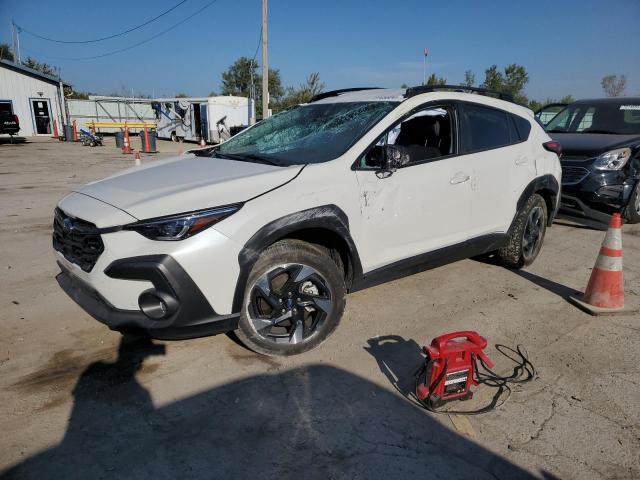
x=311, y=133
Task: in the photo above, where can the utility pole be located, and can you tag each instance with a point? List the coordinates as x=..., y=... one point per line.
x=265, y=64
x=16, y=42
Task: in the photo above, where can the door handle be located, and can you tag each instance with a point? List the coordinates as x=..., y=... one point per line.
x=459, y=177
x=521, y=161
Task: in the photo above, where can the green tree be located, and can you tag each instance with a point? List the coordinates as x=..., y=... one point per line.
x=41, y=67
x=303, y=93
x=434, y=81
x=236, y=80
x=404, y=85
x=613, y=85
x=469, y=79
x=511, y=82
x=181, y=95
x=5, y=52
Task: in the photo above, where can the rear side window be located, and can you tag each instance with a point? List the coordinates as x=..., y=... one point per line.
x=523, y=127
x=484, y=128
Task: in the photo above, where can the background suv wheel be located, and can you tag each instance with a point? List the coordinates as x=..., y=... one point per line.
x=526, y=234
x=294, y=299
x=632, y=213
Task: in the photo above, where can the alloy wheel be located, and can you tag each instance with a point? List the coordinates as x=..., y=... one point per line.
x=533, y=231
x=289, y=303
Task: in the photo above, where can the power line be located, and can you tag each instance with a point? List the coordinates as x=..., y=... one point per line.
x=120, y=50
x=258, y=46
x=22, y=29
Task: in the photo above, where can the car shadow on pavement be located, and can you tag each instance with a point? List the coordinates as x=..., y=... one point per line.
x=554, y=287
x=316, y=421
x=13, y=140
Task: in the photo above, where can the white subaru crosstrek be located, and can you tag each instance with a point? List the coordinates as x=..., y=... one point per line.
x=266, y=233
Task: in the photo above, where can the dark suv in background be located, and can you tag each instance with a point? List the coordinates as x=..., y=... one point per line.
x=600, y=157
x=9, y=123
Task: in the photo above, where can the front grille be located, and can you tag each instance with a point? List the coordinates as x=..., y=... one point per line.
x=573, y=175
x=77, y=240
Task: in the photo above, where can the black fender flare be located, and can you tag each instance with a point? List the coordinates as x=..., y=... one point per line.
x=544, y=183
x=326, y=217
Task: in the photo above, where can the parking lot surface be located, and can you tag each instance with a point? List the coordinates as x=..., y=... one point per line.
x=80, y=401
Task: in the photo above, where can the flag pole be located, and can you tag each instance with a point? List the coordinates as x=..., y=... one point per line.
x=424, y=66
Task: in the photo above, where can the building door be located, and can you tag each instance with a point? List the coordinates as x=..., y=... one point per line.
x=41, y=116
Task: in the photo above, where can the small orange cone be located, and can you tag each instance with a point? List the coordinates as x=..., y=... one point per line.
x=605, y=290
x=74, y=130
x=55, y=128
x=137, y=159
x=126, y=146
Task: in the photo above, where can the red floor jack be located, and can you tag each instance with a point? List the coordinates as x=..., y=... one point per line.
x=455, y=362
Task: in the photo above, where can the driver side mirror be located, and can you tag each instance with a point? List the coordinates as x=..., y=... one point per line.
x=393, y=157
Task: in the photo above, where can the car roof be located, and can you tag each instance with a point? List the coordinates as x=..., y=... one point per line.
x=609, y=100
x=398, y=95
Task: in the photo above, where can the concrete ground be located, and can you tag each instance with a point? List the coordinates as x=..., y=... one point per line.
x=80, y=401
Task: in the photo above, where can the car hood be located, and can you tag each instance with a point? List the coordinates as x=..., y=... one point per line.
x=587, y=145
x=187, y=183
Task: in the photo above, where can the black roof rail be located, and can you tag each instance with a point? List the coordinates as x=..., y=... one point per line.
x=413, y=91
x=335, y=93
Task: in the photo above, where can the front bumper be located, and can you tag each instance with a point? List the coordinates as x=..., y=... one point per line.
x=189, y=313
x=597, y=194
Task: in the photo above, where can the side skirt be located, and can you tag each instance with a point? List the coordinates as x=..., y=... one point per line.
x=426, y=261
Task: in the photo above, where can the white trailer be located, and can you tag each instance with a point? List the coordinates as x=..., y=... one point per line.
x=213, y=119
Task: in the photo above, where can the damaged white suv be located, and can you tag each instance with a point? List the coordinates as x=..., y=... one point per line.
x=266, y=233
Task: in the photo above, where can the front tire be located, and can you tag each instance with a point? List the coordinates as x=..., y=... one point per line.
x=526, y=234
x=294, y=299
x=632, y=212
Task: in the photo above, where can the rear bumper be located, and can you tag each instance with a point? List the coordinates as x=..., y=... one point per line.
x=188, y=314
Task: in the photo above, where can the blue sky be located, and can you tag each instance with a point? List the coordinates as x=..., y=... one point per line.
x=566, y=46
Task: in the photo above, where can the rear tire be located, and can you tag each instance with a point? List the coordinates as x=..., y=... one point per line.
x=526, y=234
x=294, y=299
x=632, y=212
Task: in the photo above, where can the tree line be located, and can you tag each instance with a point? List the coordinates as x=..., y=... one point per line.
x=243, y=79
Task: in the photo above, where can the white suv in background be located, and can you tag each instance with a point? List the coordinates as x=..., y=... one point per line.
x=266, y=233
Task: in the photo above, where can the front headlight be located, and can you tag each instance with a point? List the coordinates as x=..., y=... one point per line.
x=613, y=160
x=179, y=227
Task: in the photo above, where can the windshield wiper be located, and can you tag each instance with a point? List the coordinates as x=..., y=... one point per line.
x=247, y=158
x=203, y=152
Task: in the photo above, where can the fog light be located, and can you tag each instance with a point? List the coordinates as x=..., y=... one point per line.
x=156, y=305
x=611, y=191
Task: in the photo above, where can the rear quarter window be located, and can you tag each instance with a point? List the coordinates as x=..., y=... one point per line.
x=523, y=127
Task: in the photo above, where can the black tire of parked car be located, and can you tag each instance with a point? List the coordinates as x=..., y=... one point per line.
x=513, y=254
x=286, y=252
x=632, y=212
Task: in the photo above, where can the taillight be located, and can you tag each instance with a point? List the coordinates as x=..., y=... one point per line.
x=554, y=147
x=15, y=117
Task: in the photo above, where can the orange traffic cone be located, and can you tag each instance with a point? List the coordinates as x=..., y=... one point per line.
x=605, y=290
x=74, y=130
x=137, y=159
x=55, y=128
x=126, y=146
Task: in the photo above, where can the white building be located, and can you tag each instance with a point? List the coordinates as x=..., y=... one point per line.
x=33, y=96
